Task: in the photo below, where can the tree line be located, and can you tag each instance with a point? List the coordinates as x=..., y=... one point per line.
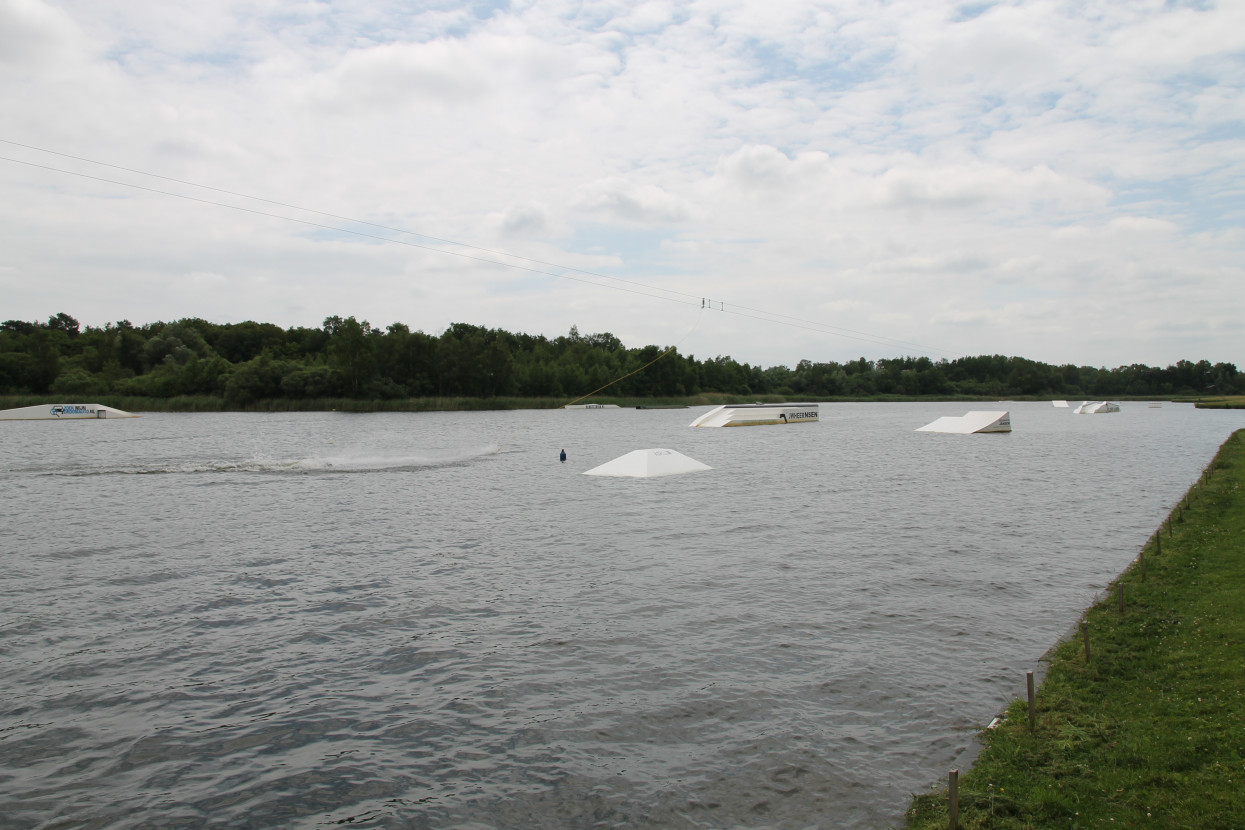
x=347, y=358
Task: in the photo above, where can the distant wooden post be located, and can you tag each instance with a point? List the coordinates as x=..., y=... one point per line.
x=1143, y=564
x=1085, y=636
x=1119, y=595
x=953, y=799
x=1032, y=715
x=1158, y=543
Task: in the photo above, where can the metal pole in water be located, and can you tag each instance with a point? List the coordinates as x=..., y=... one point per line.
x=1032, y=715
x=953, y=799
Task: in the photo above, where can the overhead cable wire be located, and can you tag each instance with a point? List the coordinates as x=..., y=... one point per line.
x=346, y=230
x=618, y=379
x=631, y=286
x=337, y=216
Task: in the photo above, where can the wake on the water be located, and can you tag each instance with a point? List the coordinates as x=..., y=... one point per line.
x=344, y=462
x=348, y=463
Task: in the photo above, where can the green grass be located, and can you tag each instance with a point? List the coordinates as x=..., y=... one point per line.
x=1150, y=731
x=1221, y=402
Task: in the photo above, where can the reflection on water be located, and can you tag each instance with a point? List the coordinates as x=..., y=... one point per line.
x=426, y=620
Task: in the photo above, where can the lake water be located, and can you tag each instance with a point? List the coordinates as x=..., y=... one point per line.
x=426, y=621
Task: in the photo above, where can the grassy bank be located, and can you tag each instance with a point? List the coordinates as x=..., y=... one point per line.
x=1226, y=402
x=1149, y=730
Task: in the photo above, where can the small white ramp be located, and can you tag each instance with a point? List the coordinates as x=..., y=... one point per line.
x=649, y=464
x=1096, y=408
x=64, y=412
x=1060, y=404
x=971, y=422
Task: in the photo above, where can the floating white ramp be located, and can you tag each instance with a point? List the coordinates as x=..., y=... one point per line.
x=649, y=464
x=1096, y=408
x=972, y=422
x=64, y=412
x=1060, y=404
x=757, y=414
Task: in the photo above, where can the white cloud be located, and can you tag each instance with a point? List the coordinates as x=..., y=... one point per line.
x=34, y=35
x=974, y=184
x=1006, y=48
x=622, y=200
x=397, y=75
x=1121, y=226
x=1177, y=39
x=762, y=167
x=531, y=218
x=459, y=72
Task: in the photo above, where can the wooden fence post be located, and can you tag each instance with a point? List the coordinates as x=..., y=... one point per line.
x=1032, y=714
x=953, y=799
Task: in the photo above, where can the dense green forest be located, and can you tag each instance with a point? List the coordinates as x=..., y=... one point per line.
x=242, y=363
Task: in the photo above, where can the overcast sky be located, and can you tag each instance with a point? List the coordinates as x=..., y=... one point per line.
x=1063, y=181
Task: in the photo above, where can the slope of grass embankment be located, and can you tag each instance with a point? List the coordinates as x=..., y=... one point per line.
x=1147, y=728
x=1227, y=402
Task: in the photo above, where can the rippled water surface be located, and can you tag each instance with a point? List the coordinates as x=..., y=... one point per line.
x=426, y=621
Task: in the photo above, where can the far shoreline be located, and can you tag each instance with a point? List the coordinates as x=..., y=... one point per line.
x=211, y=403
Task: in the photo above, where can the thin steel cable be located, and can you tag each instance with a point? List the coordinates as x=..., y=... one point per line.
x=767, y=316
